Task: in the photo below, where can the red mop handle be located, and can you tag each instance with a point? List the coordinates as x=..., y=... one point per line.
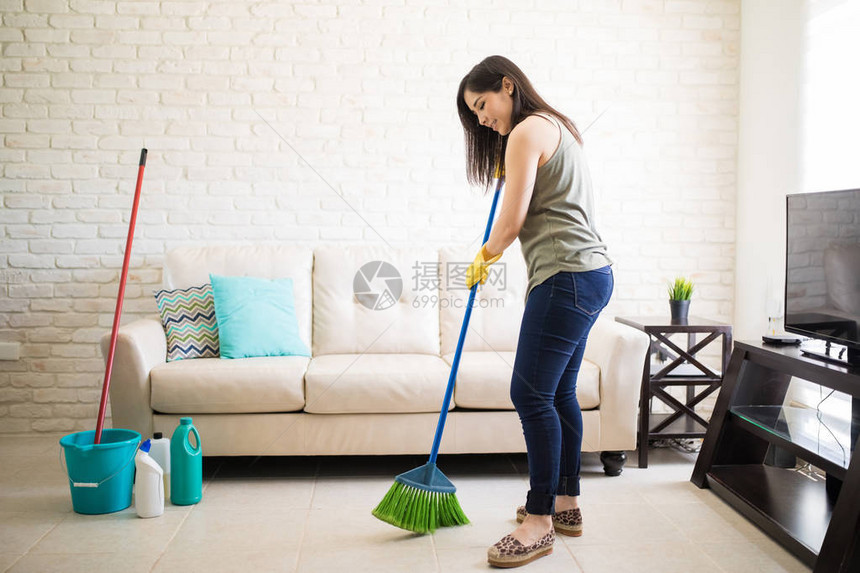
x=119, y=298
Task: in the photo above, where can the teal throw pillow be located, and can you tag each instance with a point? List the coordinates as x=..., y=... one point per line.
x=256, y=317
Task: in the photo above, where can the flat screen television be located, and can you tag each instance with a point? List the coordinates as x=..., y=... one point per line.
x=822, y=269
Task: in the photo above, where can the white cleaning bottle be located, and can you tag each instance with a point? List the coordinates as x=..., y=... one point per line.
x=160, y=452
x=149, y=484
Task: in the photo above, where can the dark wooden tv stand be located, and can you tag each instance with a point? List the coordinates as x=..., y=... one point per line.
x=817, y=520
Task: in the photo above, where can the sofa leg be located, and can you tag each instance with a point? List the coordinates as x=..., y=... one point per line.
x=613, y=462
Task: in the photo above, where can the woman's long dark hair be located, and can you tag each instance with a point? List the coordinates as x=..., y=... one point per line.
x=485, y=147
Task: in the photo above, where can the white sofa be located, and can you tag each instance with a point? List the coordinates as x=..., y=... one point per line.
x=375, y=382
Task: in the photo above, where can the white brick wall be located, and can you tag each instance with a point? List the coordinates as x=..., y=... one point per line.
x=363, y=91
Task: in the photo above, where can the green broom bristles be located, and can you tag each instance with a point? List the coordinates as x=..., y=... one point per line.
x=419, y=510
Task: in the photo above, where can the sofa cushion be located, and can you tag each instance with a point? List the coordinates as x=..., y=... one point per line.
x=498, y=312
x=189, y=266
x=484, y=381
x=369, y=299
x=244, y=385
x=256, y=317
x=188, y=318
x=375, y=383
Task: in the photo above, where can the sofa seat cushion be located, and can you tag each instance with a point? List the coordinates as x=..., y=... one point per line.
x=484, y=381
x=375, y=383
x=222, y=386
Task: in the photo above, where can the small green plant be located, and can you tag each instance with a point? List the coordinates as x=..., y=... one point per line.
x=681, y=289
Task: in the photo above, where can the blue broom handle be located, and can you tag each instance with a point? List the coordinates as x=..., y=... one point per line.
x=437, y=440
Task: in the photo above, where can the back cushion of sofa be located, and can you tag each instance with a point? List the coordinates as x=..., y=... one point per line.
x=498, y=311
x=375, y=300
x=190, y=266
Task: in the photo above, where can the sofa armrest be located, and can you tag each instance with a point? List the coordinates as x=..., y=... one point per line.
x=619, y=351
x=140, y=346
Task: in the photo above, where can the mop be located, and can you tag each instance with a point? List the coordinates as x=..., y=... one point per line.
x=119, y=299
x=423, y=499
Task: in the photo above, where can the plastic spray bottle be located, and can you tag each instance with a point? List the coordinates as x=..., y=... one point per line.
x=149, y=484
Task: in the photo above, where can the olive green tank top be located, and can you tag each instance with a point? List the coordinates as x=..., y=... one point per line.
x=559, y=234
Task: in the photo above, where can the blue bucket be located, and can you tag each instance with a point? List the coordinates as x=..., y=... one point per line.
x=101, y=475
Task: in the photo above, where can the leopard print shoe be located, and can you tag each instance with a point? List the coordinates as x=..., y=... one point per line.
x=509, y=552
x=521, y=513
x=568, y=522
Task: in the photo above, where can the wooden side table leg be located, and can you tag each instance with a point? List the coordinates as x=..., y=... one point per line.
x=644, y=410
x=691, y=342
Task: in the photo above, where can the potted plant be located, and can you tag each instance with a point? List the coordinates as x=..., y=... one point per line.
x=679, y=298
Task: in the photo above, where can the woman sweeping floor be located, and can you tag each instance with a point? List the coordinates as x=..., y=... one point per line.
x=548, y=205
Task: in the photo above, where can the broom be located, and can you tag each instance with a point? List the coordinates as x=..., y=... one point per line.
x=423, y=499
x=119, y=298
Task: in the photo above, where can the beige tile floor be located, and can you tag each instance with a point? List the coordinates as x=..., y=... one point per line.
x=313, y=515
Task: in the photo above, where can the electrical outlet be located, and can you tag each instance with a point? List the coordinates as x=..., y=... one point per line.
x=10, y=350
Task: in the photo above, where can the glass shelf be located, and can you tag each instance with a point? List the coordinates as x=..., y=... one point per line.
x=815, y=432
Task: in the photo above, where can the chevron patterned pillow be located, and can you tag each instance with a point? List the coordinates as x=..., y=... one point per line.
x=188, y=316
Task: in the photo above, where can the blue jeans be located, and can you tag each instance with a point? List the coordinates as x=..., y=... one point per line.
x=558, y=316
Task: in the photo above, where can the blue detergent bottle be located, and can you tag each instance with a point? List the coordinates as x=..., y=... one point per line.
x=186, y=465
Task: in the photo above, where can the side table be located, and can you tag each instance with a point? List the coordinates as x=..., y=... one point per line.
x=683, y=422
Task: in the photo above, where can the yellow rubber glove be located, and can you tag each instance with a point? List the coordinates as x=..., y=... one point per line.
x=479, y=270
